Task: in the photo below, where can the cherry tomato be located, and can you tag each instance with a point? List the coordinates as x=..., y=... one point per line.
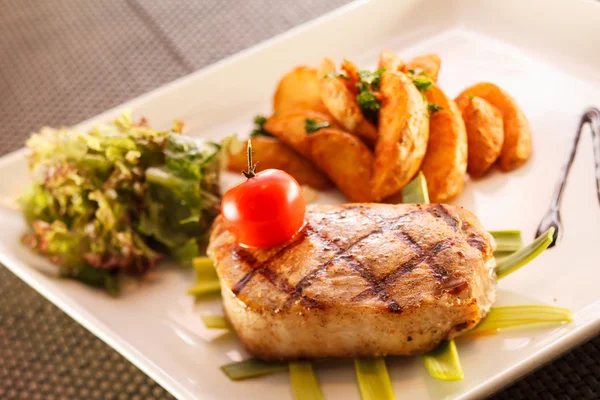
x=265, y=210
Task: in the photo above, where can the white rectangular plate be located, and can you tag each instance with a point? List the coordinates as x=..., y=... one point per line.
x=543, y=52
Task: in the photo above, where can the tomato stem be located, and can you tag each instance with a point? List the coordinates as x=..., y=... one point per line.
x=251, y=173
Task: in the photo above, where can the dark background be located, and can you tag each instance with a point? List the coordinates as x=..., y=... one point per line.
x=62, y=62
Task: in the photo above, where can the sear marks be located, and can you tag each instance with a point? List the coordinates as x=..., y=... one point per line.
x=355, y=278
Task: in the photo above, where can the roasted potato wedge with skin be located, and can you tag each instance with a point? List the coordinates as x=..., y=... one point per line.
x=345, y=160
x=299, y=88
x=341, y=103
x=391, y=61
x=428, y=63
x=516, y=148
x=403, y=135
x=272, y=153
x=485, y=133
x=289, y=127
x=445, y=162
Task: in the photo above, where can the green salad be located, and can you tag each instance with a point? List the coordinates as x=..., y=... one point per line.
x=119, y=198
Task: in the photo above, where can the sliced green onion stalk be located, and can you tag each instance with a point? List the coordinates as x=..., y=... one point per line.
x=443, y=363
x=507, y=241
x=416, y=191
x=521, y=257
x=205, y=287
x=205, y=269
x=305, y=384
x=215, y=322
x=501, y=255
x=373, y=379
x=253, y=368
x=512, y=316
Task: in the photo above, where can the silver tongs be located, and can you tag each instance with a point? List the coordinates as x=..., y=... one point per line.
x=552, y=217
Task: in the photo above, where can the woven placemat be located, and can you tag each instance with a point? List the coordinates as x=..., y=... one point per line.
x=63, y=62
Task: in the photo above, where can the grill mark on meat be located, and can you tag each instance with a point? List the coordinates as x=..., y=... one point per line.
x=357, y=266
x=404, y=269
x=241, y=284
x=367, y=275
x=307, y=280
x=461, y=326
x=260, y=268
x=439, y=272
x=448, y=283
x=439, y=211
x=378, y=287
x=270, y=275
x=477, y=242
x=389, y=225
x=409, y=241
x=474, y=240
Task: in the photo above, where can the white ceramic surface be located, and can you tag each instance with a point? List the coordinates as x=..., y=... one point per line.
x=544, y=52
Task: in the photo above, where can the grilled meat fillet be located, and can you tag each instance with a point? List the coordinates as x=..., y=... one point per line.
x=359, y=280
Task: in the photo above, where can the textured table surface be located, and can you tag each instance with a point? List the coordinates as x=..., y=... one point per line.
x=63, y=61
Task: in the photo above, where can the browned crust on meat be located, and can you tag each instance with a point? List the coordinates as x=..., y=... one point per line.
x=437, y=261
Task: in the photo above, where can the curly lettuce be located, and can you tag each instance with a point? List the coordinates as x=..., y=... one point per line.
x=118, y=198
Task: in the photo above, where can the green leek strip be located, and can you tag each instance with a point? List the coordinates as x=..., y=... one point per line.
x=373, y=379
x=507, y=240
x=372, y=374
x=253, y=368
x=205, y=287
x=205, y=269
x=305, y=384
x=215, y=322
x=519, y=258
x=501, y=255
x=416, y=190
x=443, y=363
x=512, y=316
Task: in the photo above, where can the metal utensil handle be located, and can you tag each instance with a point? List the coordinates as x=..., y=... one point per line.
x=594, y=119
x=591, y=116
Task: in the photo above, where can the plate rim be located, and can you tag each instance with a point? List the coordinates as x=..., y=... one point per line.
x=84, y=317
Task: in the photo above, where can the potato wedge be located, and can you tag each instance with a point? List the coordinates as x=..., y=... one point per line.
x=391, y=61
x=516, y=148
x=403, y=135
x=341, y=103
x=272, y=153
x=445, y=162
x=298, y=89
x=428, y=63
x=289, y=127
x=485, y=133
x=345, y=160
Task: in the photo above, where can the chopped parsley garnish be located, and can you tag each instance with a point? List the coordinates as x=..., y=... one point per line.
x=418, y=71
x=471, y=97
x=259, y=127
x=421, y=80
x=370, y=79
x=367, y=86
x=422, y=83
x=311, y=125
x=433, y=107
x=341, y=74
x=369, y=104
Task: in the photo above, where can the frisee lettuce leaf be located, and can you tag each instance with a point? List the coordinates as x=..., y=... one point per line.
x=118, y=197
